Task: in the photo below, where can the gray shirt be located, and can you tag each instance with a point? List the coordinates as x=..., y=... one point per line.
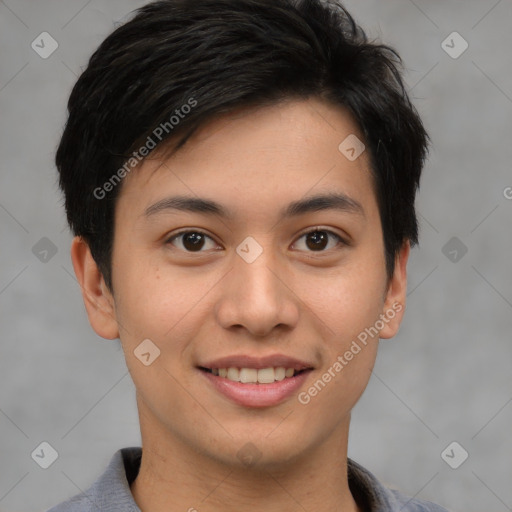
x=111, y=492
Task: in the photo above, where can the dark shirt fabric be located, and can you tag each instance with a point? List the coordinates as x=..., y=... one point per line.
x=111, y=491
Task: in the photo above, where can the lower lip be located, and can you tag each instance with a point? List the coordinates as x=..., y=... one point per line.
x=257, y=395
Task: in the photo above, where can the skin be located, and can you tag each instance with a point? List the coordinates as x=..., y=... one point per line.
x=293, y=299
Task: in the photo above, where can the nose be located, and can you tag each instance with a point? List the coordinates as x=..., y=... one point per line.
x=257, y=297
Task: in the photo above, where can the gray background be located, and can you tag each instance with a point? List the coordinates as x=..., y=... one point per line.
x=445, y=377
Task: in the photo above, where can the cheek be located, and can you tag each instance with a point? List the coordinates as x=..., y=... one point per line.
x=349, y=300
x=149, y=305
x=349, y=312
x=163, y=304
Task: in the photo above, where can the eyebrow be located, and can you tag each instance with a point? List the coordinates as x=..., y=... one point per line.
x=332, y=201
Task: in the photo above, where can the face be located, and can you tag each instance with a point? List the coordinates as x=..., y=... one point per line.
x=262, y=277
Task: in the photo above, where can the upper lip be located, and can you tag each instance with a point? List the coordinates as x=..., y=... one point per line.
x=246, y=361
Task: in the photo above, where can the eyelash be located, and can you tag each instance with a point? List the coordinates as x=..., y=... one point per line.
x=341, y=241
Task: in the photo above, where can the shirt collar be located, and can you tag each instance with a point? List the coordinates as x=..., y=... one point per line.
x=112, y=490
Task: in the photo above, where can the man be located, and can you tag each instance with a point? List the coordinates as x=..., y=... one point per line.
x=240, y=177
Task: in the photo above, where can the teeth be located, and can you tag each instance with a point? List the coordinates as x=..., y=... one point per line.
x=253, y=376
x=280, y=373
x=233, y=374
x=266, y=375
x=248, y=375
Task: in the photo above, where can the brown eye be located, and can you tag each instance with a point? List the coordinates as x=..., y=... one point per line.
x=190, y=241
x=319, y=239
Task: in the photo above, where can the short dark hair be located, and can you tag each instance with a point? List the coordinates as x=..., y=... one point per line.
x=215, y=56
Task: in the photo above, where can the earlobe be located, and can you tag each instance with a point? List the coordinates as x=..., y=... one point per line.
x=394, y=304
x=98, y=300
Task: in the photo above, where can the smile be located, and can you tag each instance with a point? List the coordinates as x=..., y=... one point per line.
x=251, y=387
x=253, y=375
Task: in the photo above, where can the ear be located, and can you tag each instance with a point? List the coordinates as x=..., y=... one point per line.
x=98, y=300
x=394, y=304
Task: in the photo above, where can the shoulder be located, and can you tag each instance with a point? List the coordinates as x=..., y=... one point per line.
x=76, y=504
x=372, y=496
x=407, y=504
x=111, y=491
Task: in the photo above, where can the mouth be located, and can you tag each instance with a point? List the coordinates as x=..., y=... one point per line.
x=253, y=375
x=252, y=382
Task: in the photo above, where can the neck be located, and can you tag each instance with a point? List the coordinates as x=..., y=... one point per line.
x=173, y=477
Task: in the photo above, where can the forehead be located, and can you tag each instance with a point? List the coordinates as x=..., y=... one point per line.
x=262, y=157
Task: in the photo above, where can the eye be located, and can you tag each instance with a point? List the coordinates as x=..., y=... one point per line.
x=318, y=239
x=191, y=241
